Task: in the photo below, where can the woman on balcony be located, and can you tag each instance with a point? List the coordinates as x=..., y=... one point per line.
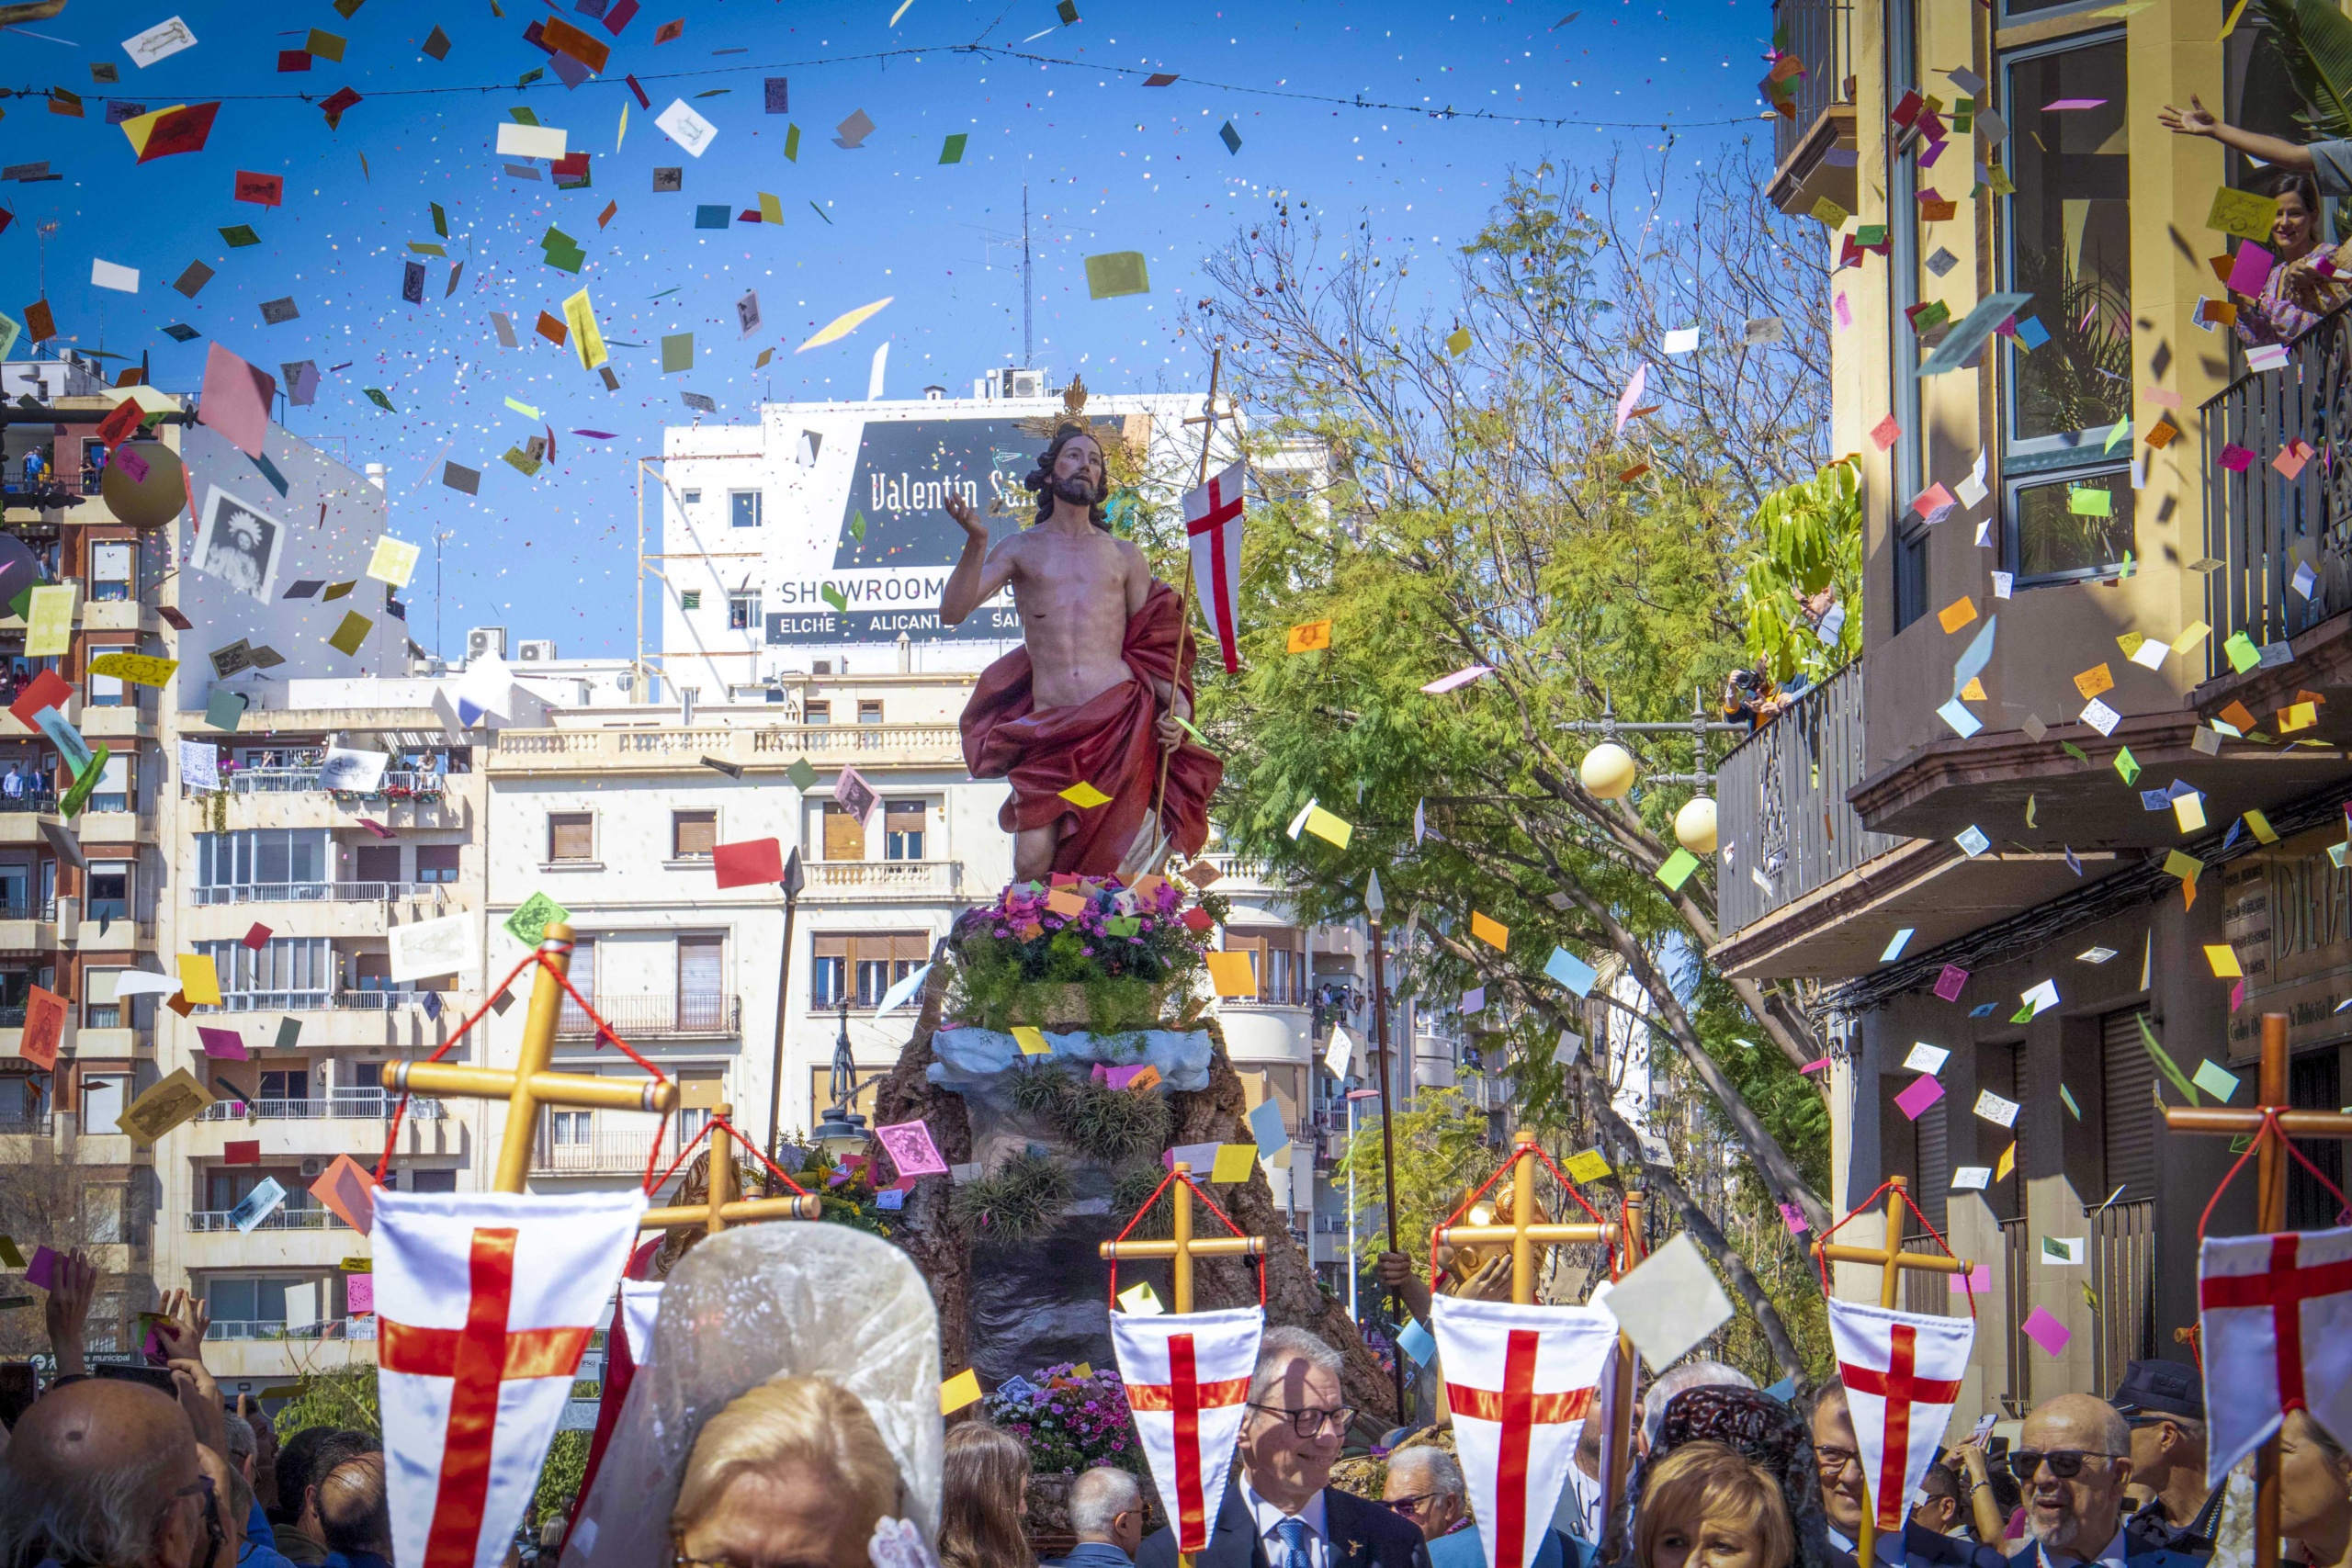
x=2297, y=293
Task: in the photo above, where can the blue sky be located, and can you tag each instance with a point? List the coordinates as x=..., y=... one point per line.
x=1110, y=166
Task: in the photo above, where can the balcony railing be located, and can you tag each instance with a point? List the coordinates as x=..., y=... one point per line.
x=524, y=750
x=335, y=1105
x=2261, y=526
x=268, y=1329
x=303, y=781
x=1820, y=33
x=310, y=893
x=597, y=1152
x=31, y=910
x=655, y=1017
x=32, y=800
x=285, y=1218
x=911, y=878
x=21, y=1126
x=326, y=1001
x=1783, y=823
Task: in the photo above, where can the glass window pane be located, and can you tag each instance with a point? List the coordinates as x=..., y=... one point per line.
x=2059, y=531
x=2070, y=240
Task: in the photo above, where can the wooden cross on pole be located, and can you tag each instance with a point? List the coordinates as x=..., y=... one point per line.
x=532, y=1084
x=1523, y=1233
x=1209, y=417
x=1892, y=1261
x=1184, y=1246
x=1617, y=1454
x=725, y=1207
x=2270, y=1160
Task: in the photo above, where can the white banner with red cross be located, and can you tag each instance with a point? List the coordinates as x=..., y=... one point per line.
x=484, y=1303
x=1902, y=1373
x=1188, y=1387
x=1520, y=1381
x=1213, y=519
x=2274, y=1317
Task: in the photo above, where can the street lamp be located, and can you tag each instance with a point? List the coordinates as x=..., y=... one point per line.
x=843, y=1131
x=1375, y=906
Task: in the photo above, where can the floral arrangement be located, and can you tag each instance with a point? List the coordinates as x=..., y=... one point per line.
x=1069, y=1418
x=1125, y=947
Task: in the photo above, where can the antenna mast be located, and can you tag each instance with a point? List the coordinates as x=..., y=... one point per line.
x=1028, y=288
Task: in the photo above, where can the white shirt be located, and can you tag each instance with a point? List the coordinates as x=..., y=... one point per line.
x=1886, y=1546
x=2115, y=1555
x=1267, y=1516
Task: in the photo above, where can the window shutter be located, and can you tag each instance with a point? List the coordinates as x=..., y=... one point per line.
x=571, y=836
x=699, y=966
x=844, y=834
x=693, y=832
x=2126, y=1106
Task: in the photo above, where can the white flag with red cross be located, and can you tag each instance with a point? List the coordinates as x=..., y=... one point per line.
x=1188, y=1388
x=1520, y=1381
x=1213, y=520
x=1902, y=1373
x=2275, y=1319
x=484, y=1303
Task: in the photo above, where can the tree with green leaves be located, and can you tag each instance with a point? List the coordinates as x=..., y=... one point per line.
x=1531, y=483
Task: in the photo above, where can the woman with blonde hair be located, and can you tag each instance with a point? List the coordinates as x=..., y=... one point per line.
x=1705, y=1507
x=983, y=1500
x=792, y=1471
x=2314, y=1491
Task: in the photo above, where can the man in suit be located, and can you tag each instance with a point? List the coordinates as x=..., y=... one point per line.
x=1425, y=1485
x=1106, y=1514
x=1278, y=1511
x=2074, y=1460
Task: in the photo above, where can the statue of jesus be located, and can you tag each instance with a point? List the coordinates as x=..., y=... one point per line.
x=1093, y=694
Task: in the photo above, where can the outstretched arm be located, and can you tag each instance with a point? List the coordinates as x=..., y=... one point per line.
x=978, y=577
x=2199, y=121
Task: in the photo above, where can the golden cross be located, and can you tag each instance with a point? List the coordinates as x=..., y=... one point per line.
x=2270, y=1159
x=724, y=1208
x=1892, y=1261
x=1184, y=1246
x=1523, y=1233
x=532, y=1083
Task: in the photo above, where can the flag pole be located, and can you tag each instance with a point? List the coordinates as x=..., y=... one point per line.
x=1184, y=580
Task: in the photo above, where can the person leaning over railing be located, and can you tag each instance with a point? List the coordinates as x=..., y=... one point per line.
x=2309, y=279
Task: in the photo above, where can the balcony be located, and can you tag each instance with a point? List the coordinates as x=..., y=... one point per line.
x=704, y=1015
x=773, y=750
x=398, y=784
x=1821, y=34
x=885, y=878
x=310, y=893
x=598, y=1153
x=213, y=1222
x=328, y=1001
x=336, y=1104
x=241, y=1328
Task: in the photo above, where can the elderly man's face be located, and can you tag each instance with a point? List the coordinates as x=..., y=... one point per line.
x=2079, y=1512
x=1412, y=1491
x=1839, y=1456
x=1284, y=1463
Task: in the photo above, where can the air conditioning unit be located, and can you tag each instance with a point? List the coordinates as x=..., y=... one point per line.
x=1011, y=383
x=821, y=667
x=540, y=650
x=484, y=641
x=313, y=1166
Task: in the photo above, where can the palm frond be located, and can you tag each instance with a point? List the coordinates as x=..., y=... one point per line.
x=2315, y=41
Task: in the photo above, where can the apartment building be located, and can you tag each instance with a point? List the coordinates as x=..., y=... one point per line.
x=2017, y=834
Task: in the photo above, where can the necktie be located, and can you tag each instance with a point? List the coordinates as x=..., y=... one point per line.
x=1293, y=1534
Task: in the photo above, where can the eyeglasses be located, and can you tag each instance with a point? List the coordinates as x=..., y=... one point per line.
x=2065, y=1464
x=201, y=1489
x=1309, y=1423
x=1413, y=1504
x=1832, y=1463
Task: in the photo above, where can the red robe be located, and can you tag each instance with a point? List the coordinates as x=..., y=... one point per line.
x=1107, y=741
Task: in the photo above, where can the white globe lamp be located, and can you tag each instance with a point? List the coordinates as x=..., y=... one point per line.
x=1694, y=826
x=1608, y=771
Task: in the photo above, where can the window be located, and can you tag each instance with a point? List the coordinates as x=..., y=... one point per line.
x=693, y=834
x=432, y=1181
x=99, y=1007
x=110, y=890
x=869, y=711
x=371, y=972
x=106, y=691
x=690, y=599
x=702, y=999
x=283, y=972
x=110, y=570
x=742, y=612
x=17, y=889
x=903, y=830
x=113, y=793
x=817, y=713
x=569, y=1126
x=873, y=961
x=102, y=1214
x=291, y=1083
x=103, y=1097
x=690, y=498
x=844, y=833
x=436, y=863
x=376, y=863
x=2070, y=369
x=259, y=858
x=571, y=836
x=1275, y=959
x=743, y=508
x=245, y=1309
x=582, y=975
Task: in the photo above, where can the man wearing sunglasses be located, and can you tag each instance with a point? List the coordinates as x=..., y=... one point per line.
x=1278, y=1511
x=2165, y=1406
x=2074, y=1460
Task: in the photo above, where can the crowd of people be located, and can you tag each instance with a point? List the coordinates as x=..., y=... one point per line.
x=768, y=1464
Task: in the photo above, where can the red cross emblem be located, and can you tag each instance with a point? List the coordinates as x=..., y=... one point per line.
x=478, y=1359
x=2283, y=1289
x=1184, y=1394
x=1518, y=1410
x=1901, y=1386
x=1216, y=515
